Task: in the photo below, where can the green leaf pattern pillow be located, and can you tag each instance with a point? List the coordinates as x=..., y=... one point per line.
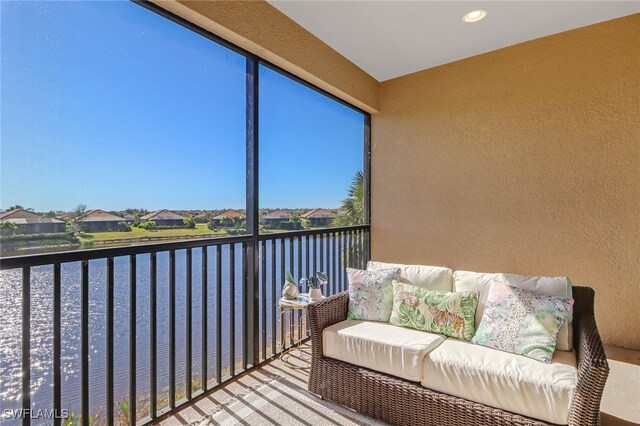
x=451, y=314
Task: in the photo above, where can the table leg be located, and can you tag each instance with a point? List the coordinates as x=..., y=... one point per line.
x=282, y=328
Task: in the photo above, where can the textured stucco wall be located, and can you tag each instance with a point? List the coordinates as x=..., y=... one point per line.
x=262, y=29
x=525, y=160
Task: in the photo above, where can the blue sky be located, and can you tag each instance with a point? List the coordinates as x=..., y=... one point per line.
x=111, y=105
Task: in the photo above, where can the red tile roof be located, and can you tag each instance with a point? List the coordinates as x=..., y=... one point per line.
x=278, y=214
x=229, y=213
x=98, y=215
x=162, y=214
x=318, y=213
x=25, y=216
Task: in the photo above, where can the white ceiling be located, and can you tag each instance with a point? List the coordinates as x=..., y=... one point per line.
x=391, y=38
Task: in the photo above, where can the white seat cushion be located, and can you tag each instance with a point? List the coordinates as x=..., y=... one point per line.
x=429, y=277
x=383, y=347
x=549, y=286
x=502, y=380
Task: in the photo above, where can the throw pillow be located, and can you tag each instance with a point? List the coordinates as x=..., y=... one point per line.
x=451, y=314
x=370, y=294
x=550, y=286
x=522, y=322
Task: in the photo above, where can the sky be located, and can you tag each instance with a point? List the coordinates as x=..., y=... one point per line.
x=113, y=106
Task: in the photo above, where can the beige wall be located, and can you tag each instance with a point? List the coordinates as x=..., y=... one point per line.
x=523, y=160
x=260, y=28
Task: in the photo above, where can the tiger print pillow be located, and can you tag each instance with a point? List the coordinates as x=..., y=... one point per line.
x=451, y=314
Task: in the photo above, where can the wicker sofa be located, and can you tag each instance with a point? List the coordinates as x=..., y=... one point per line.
x=402, y=402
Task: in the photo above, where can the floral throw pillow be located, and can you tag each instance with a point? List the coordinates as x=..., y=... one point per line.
x=451, y=314
x=522, y=322
x=370, y=294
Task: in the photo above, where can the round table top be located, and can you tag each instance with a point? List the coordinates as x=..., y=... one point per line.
x=301, y=302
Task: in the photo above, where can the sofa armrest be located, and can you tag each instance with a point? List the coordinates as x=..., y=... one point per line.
x=324, y=314
x=593, y=370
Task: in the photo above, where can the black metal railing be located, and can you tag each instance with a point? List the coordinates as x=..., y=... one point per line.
x=153, y=299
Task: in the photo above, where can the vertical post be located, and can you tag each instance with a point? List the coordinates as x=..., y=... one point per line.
x=340, y=262
x=245, y=306
x=219, y=314
x=315, y=254
x=306, y=256
x=188, y=325
x=153, y=311
x=26, y=343
x=232, y=309
x=205, y=318
x=263, y=307
x=367, y=182
x=321, y=240
x=282, y=278
x=132, y=340
x=251, y=293
x=110, y=336
x=57, y=337
x=334, y=287
x=299, y=241
x=274, y=302
x=84, y=339
x=172, y=328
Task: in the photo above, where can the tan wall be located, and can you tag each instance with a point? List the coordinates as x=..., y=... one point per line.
x=260, y=28
x=523, y=160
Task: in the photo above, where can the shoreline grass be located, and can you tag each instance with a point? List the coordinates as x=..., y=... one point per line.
x=145, y=234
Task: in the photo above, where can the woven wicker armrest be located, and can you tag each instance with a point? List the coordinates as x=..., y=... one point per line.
x=323, y=314
x=593, y=367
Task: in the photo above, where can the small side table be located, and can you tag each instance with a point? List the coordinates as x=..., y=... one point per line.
x=297, y=329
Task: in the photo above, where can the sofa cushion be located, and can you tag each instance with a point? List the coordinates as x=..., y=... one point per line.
x=429, y=277
x=549, y=286
x=371, y=294
x=380, y=346
x=502, y=380
x=442, y=312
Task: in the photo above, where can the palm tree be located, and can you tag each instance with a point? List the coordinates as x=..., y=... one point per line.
x=351, y=211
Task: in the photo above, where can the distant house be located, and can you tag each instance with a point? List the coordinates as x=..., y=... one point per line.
x=275, y=218
x=98, y=220
x=31, y=223
x=236, y=215
x=128, y=217
x=319, y=217
x=164, y=218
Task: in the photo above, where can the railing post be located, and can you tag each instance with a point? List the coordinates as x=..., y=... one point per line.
x=26, y=343
x=57, y=339
x=110, y=325
x=84, y=342
x=133, y=400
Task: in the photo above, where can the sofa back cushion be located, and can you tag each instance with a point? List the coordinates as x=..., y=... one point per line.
x=371, y=294
x=549, y=286
x=429, y=277
x=522, y=321
x=451, y=314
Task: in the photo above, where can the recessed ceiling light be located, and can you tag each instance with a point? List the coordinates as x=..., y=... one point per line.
x=474, y=15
